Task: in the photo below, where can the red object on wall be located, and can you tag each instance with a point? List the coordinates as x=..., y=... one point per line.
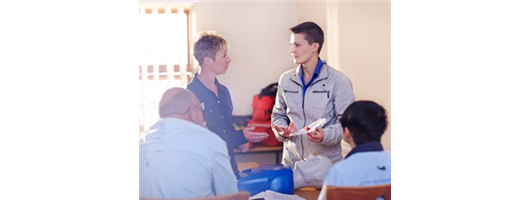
x=264, y=126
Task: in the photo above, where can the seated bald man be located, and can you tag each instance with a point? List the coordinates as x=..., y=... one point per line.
x=179, y=157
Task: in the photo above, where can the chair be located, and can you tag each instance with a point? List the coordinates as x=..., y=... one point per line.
x=358, y=192
x=234, y=196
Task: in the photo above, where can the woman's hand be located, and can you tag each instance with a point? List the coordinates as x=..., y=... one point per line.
x=254, y=136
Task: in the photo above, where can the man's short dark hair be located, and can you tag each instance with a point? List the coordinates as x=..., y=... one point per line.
x=312, y=32
x=366, y=121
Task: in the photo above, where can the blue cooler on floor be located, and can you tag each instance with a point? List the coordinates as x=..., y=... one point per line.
x=277, y=178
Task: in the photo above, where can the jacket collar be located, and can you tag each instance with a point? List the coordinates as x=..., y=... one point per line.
x=321, y=75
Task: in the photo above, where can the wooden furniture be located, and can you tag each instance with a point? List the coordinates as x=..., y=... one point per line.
x=308, y=193
x=360, y=193
x=246, y=165
x=277, y=150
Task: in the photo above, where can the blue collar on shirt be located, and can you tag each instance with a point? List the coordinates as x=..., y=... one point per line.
x=315, y=75
x=366, y=147
x=201, y=88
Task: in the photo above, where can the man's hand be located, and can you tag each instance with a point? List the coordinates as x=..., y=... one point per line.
x=285, y=132
x=316, y=136
x=254, y=136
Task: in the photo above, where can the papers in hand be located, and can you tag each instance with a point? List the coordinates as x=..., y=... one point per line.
x=311, y=127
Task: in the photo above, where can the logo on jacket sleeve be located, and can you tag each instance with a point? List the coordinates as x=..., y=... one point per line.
x=381, y=168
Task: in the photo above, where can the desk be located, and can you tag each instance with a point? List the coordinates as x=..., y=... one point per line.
x=308, y=193
x=246, y=165
x=264, y=149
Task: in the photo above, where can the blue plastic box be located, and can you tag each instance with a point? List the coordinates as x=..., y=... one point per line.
x=278, y=178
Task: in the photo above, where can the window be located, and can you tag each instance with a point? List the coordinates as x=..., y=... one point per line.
x=164, y=55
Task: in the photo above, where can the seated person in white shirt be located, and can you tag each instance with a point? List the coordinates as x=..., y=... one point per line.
x=179, y=157
x=363, y=123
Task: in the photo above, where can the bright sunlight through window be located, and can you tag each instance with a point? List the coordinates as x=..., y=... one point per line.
x=164, y=56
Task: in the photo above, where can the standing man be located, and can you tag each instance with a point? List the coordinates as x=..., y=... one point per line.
x=310, y=91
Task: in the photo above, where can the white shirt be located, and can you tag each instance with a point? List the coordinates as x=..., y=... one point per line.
x=360, y=169
x=179, y=159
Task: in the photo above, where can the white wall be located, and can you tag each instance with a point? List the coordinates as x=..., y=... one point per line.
x=258, y=35
x=365, y=40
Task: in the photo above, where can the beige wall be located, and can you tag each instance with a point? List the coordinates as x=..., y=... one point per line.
x=365, y=41
x=258, y=34
x=357, y=43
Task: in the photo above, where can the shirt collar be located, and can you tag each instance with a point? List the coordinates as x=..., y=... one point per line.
x=317, y=70
x=203, y=90
x=366, y=147
x=319, y=66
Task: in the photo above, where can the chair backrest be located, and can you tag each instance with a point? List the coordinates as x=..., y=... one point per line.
x=234, y=196
x=358, y=193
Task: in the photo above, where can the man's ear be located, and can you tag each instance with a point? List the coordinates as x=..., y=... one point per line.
x=315, y=47
x=346, y=135
x=345, y=132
